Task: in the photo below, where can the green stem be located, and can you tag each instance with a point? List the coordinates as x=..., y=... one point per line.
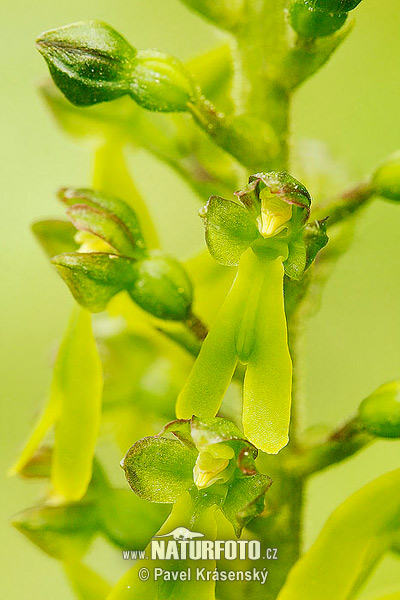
x=252, y=141
x=341, y=444
x=349, y=203
x=262, y=45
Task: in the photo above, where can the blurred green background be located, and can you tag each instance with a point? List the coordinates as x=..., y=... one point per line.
x=352, y=345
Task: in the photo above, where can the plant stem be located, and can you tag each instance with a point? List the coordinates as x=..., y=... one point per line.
x=341, y=444
x=262, y=45
x=349, y=203
x=196, y=326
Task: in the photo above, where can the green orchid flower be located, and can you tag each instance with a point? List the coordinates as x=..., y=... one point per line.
x=266, y=235
x=202, y=467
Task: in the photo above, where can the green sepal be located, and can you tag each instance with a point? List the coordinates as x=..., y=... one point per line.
x=181, y=429
x=311, y=22
x=62, y=531
x=206, y=432
x=161, y=83
x=159, y=469
x=229, y=230
x=295, y=264
x=316, y=238
x=162, y=287
x=285, y=187
x=94, y=278
x=89, y=61
x=245, y=500
x=198, y=434
x=249, y=196
x=55, y=236
x=380, y=412
x=107, y=217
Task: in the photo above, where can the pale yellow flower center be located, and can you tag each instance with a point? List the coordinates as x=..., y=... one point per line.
x=211, y=464
x=275, y=213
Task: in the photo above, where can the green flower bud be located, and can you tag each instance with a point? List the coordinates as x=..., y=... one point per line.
x=380, y=412
x=162, y=287
x=386, y=180
x=160, y=83
x=89, y=61
x=336, y=6
x=312, y=22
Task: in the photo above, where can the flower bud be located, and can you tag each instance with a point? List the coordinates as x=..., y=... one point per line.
x=160, y=83
x=335, y=6
x=311, y=22
x=162, y=287
x=89, y=61
x=380, y=412
x=386, y=180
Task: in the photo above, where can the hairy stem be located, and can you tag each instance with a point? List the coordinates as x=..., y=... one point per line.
x=349, y=203
x=346, y=441
x=262, y=45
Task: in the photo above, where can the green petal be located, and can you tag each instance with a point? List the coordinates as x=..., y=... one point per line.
x=94, y=278
x=295, y=263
